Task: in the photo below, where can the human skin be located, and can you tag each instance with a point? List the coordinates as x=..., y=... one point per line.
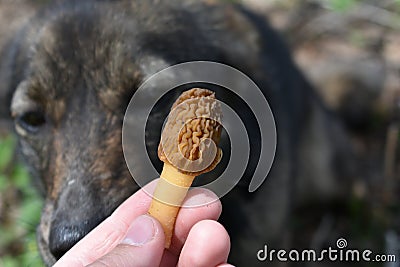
x=121, y=239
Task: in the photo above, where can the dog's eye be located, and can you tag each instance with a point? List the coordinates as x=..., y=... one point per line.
x=31, y=121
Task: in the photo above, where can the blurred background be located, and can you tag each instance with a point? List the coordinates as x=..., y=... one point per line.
x=350, y=51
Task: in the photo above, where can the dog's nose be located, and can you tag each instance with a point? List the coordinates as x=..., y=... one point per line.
x=63, y=238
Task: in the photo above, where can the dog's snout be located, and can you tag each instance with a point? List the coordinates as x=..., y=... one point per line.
x=63, y=238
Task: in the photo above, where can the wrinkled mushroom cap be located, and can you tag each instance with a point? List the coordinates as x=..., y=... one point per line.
x=191, y=134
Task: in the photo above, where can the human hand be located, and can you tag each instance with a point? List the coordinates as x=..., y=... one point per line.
x=130, y=238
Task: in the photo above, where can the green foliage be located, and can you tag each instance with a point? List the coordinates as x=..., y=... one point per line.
x=6, y=152
x=20, y=211
x=341, y=5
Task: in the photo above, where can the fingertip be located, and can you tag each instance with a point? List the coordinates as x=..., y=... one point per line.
x=200, y=204
x=143, y=245
x=159, y=231
x=198, y=244
x=198, y=197
x=143, y=230
x=206, y=229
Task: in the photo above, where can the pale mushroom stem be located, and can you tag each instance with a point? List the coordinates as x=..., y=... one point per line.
x=168, y=196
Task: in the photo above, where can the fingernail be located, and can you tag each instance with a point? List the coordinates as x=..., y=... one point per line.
x=141, y=231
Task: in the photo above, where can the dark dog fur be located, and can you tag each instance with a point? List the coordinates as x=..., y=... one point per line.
x=72, y=70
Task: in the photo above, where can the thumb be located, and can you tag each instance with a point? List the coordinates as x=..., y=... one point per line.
x=143, y=245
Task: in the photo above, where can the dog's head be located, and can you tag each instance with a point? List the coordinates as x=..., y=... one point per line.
x=77, y=76
x=73, y=70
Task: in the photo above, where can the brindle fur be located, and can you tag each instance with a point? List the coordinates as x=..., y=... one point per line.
x=79, y=62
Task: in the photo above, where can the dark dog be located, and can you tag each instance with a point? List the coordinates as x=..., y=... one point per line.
x=72, y=71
